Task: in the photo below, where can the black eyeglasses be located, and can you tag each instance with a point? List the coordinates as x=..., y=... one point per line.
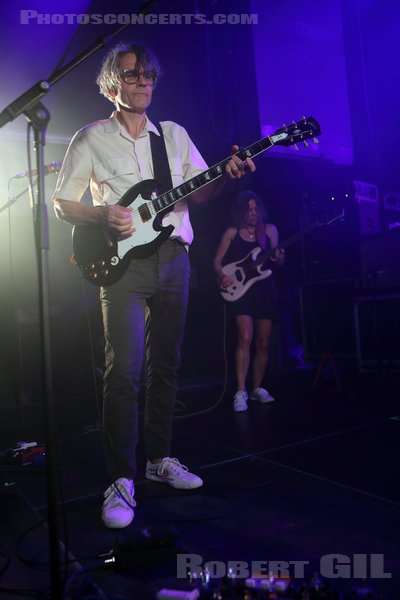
x=131, y=76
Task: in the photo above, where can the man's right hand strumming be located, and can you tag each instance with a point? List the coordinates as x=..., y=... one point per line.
x=118, y=219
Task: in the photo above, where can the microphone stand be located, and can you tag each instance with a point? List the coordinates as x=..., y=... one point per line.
x=36, y=113
x=14, y=199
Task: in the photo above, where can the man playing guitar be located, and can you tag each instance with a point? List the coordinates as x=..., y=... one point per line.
x=144, y=306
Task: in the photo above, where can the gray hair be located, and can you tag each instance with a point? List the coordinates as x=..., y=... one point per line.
x=108, y=77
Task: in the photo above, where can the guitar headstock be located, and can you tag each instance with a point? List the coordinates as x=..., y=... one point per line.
x=303, y=130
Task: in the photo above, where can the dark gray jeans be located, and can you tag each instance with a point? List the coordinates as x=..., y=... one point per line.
x=144, y=316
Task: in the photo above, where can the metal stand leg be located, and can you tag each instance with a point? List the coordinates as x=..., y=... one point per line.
x=327, y=356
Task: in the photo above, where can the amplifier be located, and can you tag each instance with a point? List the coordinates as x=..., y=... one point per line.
x=380, y=264
x=377, y=331
x=327, y=317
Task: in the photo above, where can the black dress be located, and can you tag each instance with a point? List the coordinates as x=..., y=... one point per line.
x=260, y=301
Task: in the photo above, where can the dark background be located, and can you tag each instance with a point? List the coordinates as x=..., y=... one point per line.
x=226, y=84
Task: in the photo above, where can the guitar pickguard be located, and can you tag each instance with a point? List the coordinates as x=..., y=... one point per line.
x=244, y=273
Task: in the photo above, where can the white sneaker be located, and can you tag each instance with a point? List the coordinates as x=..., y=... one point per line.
x=240, y=401
x=170, y=471
x=117, y=510
x=261, y=395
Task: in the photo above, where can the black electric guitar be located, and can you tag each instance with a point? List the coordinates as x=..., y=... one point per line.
x=103, y=260
x=252, y=267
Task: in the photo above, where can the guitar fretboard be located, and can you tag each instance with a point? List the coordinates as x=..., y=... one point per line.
x=211, y=174
x=301, y=131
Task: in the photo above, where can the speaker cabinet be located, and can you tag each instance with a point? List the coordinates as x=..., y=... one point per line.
x=380, y=263
x=327, y=317
x=377, y=331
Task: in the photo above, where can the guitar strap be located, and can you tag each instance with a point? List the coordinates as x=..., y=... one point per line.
x=162, y=172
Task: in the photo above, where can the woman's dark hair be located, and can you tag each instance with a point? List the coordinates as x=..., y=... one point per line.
x=241, y=208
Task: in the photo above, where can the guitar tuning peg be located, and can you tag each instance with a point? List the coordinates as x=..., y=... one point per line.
x=304, y=119
x=284, y=125
x=294, y=123
x=316, y=140
x=296, y=147
x=305, y=144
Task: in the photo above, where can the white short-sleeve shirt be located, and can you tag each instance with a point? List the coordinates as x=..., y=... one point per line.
x=106, y=158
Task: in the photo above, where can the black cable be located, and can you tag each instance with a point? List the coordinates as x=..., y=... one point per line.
x=65, y=529
x=7, y=561
x=223, y=488
x=141, y=413
x=18, y=468
x=18, y=328
x=71, y=579
x=212, y=108
x=174, y=518
x=26, y=561
x=27, y=593
x=92, y=358
x=19, y=433
x=12, y=277
x=222, y=394
x=72, y=42
x=28, y=152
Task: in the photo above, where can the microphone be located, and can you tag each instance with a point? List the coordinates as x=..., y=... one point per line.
x=53, y=167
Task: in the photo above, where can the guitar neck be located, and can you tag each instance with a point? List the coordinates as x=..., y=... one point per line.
x=266, y=254
x=213, y=173
x=289, y=135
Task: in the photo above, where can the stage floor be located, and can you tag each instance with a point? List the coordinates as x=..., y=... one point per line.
x=311, y=475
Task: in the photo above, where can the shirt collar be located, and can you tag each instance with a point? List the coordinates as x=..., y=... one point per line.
x=113, y=125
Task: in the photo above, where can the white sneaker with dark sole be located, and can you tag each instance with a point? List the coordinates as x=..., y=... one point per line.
x=117, y=511
x=170, y=471
x=261, y=395
x=240, y=401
